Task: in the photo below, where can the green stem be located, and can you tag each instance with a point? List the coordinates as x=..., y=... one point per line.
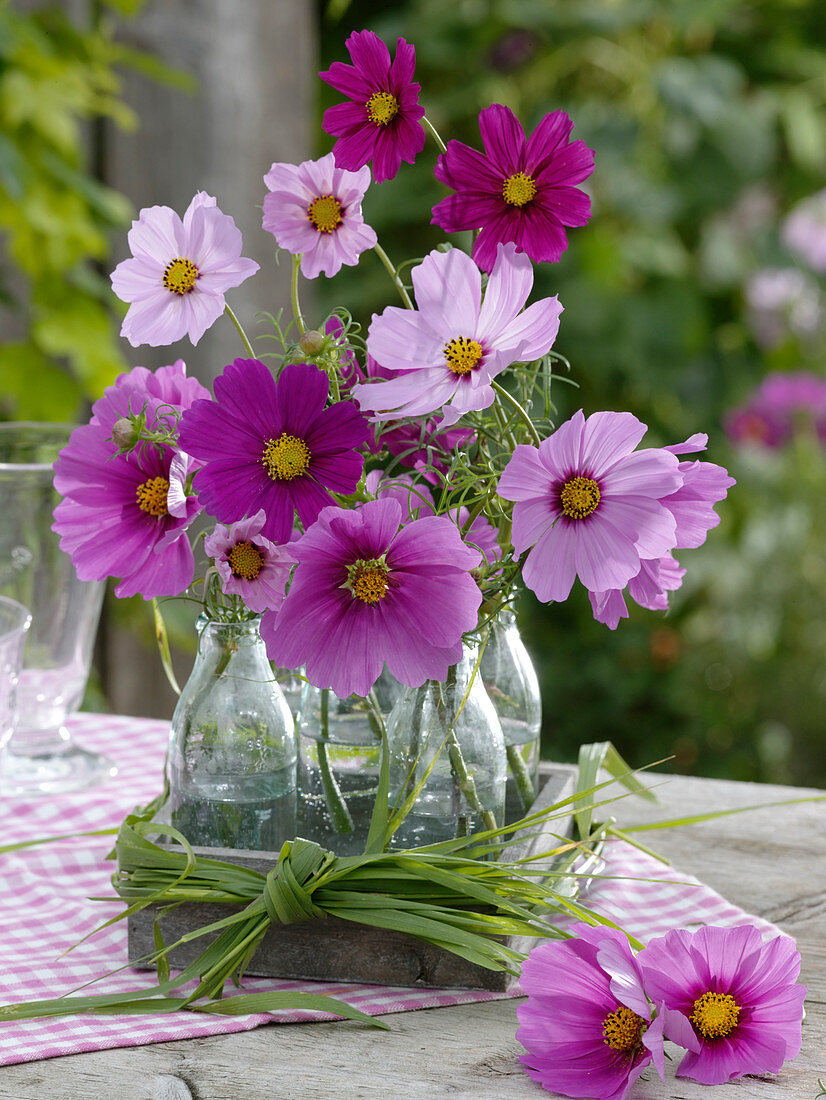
x=521, y=775
x=431, y=129
x=297, y=314
x=526, y=420
x=394, y=275
x=462, y=777
x=241, y=333
x=339, y=811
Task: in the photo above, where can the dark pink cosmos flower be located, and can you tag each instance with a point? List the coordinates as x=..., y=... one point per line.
x=162, y=393
x=380, y=120
x=125, y=515
x=425, y=446
x=249, y=565
x=370, y=589
x=589, y=505
x=521, y=189
x=178, y=272
x=587, y=1026
x=778, y=408
x=692, y=505
x=273, y=445
x=415, y=499
x=739, y=995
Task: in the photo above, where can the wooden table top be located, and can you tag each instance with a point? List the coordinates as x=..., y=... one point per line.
x=772, y=862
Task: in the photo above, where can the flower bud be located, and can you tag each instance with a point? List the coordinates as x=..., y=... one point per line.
x=311, y=342
x=125, y=434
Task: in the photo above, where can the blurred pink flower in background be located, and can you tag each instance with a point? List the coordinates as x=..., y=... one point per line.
x=778, y=407
x=804, y=231
x=783, y=302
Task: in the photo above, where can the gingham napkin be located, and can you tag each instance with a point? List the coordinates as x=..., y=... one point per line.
x=44, y=910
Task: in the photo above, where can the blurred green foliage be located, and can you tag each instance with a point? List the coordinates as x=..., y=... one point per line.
x=57, y=84
x=708, y=120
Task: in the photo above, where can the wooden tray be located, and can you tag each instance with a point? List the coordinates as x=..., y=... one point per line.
x=329, y=949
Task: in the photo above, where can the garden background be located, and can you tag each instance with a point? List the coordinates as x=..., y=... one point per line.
x=708, y=118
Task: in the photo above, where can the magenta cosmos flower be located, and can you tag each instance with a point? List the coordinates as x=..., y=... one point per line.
x=162, y=395
x=179, y=272
x=781, y=405
x=249, y=565
x=414, y=498
x=448, y=350
x=273, y=445
x=370, y=589
x=125, y=515
x=589, y=505
x=521, y=189
x=692, y=505
x=587, y=1025
x=741, y=997
x=380, y=120
x=314, y=210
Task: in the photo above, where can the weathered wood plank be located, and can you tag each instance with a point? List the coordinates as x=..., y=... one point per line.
x=468, y=1052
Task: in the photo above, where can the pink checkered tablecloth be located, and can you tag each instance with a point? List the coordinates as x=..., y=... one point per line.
x=45, y=909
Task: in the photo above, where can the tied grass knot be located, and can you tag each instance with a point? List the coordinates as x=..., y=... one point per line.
x=288, y=892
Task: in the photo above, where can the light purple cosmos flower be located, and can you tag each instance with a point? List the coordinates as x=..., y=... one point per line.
x=415, y=499
x=380, y=121
x=781, y=404
x=273, y=445
x=589, y=505
x=740, y=996
x=249, y=565
x=314, y=210
x=692, y=505
x=125, y=515
x=804, y=231
x=179, y=271
x=587, y=1025
x=454, y=344
x=370, y=589
x=521, y=189
x=783, y=302
x=481, y=534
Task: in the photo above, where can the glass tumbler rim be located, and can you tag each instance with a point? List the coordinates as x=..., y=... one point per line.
x=21, y=618
x=55, y=430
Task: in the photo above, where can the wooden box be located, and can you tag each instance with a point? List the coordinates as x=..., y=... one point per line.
x=330, y=949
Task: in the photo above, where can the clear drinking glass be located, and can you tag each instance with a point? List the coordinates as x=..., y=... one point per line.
x=14, y=622
x=42, y=756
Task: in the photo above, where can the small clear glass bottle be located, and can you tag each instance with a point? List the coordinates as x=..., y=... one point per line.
x=512, y=684
x=232, y=752
x=339, y=751
x=454, y=723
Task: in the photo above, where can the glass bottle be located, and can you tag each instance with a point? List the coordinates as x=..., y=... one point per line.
x=339, y=750
x=511, y=682
x=454, y=724
x=232, y=752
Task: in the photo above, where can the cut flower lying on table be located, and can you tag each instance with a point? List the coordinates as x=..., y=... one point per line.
x=381, y=499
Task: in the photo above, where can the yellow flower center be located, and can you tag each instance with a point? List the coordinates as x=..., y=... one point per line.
x=245, y=560
x=462, y=354
x=382, y=107
x=518, y=189
x=179, y=275
x=324, y=212
x=286, y=458
x=579, y=497
x=367, y=580
x=622, y=1030
x=715, y=1015
x=151, y=496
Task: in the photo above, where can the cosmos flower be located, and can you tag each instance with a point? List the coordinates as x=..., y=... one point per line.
x=415, y=499
x=481, y=534
x=424, y=445
x=179, y=271
x=314, y=210
x=380, y=120
x=370, y=589
x=692, y=505
x=587, y=1026
x=249, y=565
x=520, y=190
x=740, y=996
x=454, y=344
x=589, y=505
x=273, y=445
x=778, y=408
x=161, y=394
x=125, y=515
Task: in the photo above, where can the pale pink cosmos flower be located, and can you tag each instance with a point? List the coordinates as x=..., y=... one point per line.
x=446, y=352
x=250, y=565
x=179, y=271
x=314, y=211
